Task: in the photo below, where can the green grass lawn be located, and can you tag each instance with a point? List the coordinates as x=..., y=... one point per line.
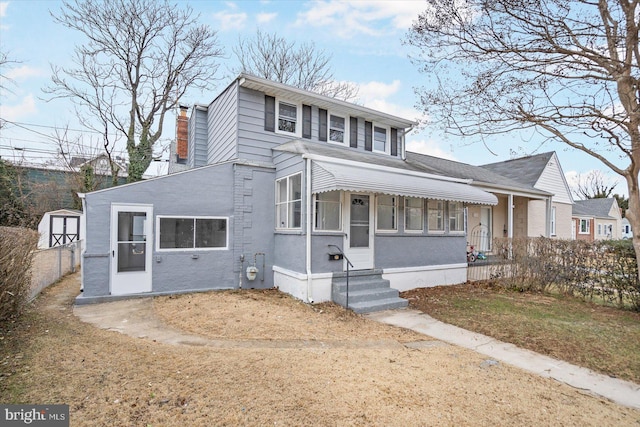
x=601, y=338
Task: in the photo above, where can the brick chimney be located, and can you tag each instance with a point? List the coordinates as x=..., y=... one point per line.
x=182, y=135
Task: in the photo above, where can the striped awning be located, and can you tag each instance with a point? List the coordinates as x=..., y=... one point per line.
x=326, y=176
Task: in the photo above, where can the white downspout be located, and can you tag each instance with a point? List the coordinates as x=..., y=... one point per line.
x=309, y=217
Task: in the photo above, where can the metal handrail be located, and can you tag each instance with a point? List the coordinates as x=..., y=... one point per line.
x=348, y=264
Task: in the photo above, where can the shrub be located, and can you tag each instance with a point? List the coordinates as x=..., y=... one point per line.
x=606, y=270
x=16, y=253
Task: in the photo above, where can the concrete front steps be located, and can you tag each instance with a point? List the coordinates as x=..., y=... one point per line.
x=368, y=292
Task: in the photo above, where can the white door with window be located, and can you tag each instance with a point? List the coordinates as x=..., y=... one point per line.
x=486, y=229
x=358, y=244
x=131, y=248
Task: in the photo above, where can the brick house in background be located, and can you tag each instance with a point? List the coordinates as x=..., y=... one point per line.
x=597, y=219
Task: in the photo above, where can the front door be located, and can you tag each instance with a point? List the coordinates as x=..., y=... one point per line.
x=131, y=247
x=486, y=229
x=359, y=236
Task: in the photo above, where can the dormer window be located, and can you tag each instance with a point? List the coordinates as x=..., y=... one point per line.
x=337, y=128
x=381, y=139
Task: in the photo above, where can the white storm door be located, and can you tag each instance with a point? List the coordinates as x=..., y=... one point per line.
x=358, y=245
x=131, y=248
x=486, y=229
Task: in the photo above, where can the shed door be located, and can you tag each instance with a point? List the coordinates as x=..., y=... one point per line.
x=131, y=247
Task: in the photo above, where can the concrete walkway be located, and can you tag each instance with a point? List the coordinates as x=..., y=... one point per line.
x=622, y=392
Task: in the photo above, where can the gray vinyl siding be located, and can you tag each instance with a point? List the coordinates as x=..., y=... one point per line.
x=223, y=126
x=183, y=194
x=254, y=143
x=197, y=150
x=287, y=164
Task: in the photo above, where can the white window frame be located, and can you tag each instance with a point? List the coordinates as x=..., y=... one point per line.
x=194, y=248
x=287, y=202
x=588, y=227
x=553, y=220
x=443, y=213
x=450, y=217
x=395, y=214
x=315, y=213
x=406, y=212
x=346, y=134
x=298, y=132
x=599, y=229
x=387, y=144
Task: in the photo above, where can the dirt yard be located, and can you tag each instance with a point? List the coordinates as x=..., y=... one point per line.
x=276, y=361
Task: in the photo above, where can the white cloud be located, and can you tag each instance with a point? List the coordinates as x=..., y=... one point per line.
x=375, y=95
x=228, y=20
x=429, y=147
x=376, y=90
x=348, y=19
x=16, y=112
x=264, y=18
x=23, y=72
x=3, y=13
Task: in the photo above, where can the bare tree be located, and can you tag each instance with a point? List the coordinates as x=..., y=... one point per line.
x=569, y=69
x=593, y=186
x=5, y=63
x=139, y=59
x=273, y=57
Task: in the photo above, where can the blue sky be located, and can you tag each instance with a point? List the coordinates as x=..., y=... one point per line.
x=364, y=38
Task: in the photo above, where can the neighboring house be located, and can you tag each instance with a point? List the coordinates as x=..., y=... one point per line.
x=597, y=219
x=59, y=228
x=280, y=181
x=627, y=233
x=533, y=197
x=548, y=216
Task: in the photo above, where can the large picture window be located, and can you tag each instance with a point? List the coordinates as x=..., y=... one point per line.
x=435, y=215
x=387, y=210
x=456, y=217
x=192, y=233
x=328, y=212
x=289, y=202
x=413, y=214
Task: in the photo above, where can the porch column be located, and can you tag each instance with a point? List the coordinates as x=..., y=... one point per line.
x=510, y=216
x=548, y=221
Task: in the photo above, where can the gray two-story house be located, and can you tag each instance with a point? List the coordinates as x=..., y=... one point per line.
x=281, y=183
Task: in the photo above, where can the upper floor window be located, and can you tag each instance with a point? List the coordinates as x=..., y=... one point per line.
x=413, y=214
x=435, y=209
x=288, y=117
x=387, y=209
x=456, y=216
x=289, y=202
x=192, y=233
x=338, y=128
x=381, y=139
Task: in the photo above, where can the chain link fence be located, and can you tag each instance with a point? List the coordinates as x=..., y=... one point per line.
x=51, y=264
